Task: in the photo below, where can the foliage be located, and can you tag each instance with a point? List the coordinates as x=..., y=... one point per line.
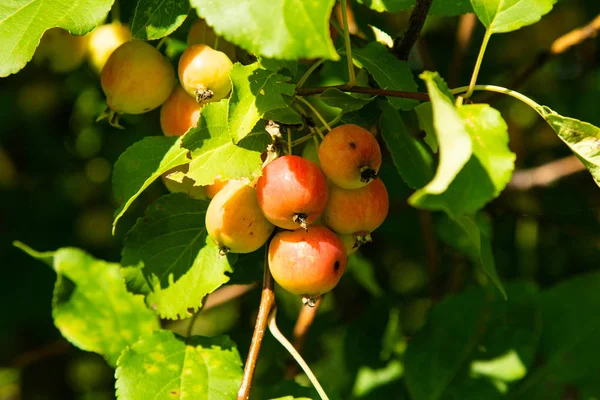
x=445, y=315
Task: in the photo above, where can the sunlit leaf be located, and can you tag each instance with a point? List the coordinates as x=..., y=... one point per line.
x=509, y=15
x=154, y=19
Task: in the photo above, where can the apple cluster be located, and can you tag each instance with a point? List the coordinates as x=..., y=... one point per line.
x=323, y=210
x=324, y=213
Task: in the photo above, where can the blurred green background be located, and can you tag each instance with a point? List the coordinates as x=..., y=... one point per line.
x=55, y=191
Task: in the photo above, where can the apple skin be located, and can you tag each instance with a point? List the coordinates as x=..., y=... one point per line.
x=204, y=73
x=201, y=33
x=350, y=156
x=179, y=113
x=292, y=187
x=307, y=263
x=104, y=40
x=356, y=211
x=214, y=188
x=234, y=220
x=137, y=78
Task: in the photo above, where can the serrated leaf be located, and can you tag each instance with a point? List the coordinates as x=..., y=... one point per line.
x=22, y=24
x=581, y=137
x=91, y=307
x=213, y=152
x=279, y=29
x=140, y=165
x=466, y=331
x=454, y=142
x=450, y=8
x=389, y=72
x=255, y=91
x=166, y=365
x=388, y=5
x=154, y=19
x=569, y=342
x=180, y=262
x=278, y=65
x=509, y=15
x=345, y=101
x=412, y=160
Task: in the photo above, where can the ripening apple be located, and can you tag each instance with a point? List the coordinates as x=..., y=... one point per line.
x=350, y=156
x=179, y=113
x=104, y=40
x=234, y=220
x=357, y=211
x=204, y=73
x=136, y=78
x=292, y=192
x=307, y=263
x=61, y=51
x=202, y=33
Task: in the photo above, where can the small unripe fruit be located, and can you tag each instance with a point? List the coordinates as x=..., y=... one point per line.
x=62, y=51
x=307, y=263
x=201, y=33
x=214, y=188
x=204, y=73
x=179, y=113
x=350, y=156
x=357, y=211
x=104, y=40
x=136, y=78
x=292, y=192
x=234, y=220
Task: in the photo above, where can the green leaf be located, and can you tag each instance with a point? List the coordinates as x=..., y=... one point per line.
x=215, y=155
x=278, y=65
x=154, y=19
x=488, y=169
x=279, y=29
x=489, y=135
x=454, y=141
x=509, y=15
x=363, y=271
x=345, y=101
x=466, y=336
x=140, y=165
x=569, y=343
x=450, y=8
x=285, y=115
x=388, y=72
x=471, y=236
x=22, y=24
x=255, y=91
x=164, y=365
x=425, y=116
x=91, y=307
x=179, y=261
x=412, y=160
x=581, y=137
x=388, y=5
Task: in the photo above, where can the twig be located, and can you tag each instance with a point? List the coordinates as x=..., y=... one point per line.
x=559, y=46
x=366, y=90
x=267, y=302
x=303, y=323
x=546, y=174
x=46, y=351
x=431, y=253
x=288, y=346
x=403, y=45
x=464, y=34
